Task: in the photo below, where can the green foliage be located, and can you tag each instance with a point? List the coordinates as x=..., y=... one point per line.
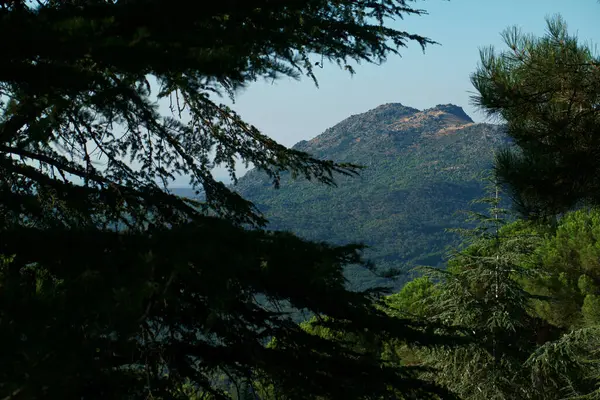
x=546, y=90
x=533, y=332
x=415, y=299
x=590, y=309
x=571, y=259
x=373, y=345
x=568, y=367
x=481, y=293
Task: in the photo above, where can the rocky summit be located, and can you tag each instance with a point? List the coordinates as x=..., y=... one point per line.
x=422, y=168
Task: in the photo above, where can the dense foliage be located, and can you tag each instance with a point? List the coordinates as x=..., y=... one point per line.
x=532, y=326
x=546, y=90
x=111, y=287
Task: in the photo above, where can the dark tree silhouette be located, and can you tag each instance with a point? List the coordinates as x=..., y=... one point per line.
x=110, y=286
x=547, y=90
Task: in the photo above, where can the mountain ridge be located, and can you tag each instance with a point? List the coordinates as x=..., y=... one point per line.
x=388, y=118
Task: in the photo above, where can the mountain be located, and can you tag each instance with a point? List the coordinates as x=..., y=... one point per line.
x=422, y=167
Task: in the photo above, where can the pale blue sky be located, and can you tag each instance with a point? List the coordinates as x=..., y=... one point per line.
x=290, y=111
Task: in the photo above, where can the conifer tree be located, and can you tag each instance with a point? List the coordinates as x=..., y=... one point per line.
x=507, y=290
x=570, y=365
x=546, y=90
x=481, y=293
x=112, y=287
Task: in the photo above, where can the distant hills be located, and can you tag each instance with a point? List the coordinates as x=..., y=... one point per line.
x=423, y=166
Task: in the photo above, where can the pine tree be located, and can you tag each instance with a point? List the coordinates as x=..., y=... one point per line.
x=113, y=287
x=507, y=291
x=570, y=365
x=481, y=293
x=546, y=90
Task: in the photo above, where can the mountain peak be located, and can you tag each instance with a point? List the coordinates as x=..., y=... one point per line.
x=390, y=110
x=372, y=129
x=394, y=106
x=453, y=110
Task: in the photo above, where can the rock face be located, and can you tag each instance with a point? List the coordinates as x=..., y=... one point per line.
x=422, y=168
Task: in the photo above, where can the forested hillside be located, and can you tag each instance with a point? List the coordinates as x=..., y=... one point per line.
x=422, y=168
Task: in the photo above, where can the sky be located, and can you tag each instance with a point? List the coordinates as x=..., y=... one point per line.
x=290, y=110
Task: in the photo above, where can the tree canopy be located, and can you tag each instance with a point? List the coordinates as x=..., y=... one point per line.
x=526, y=296
x=110, y=286
x=76, y=87
x=546, y=89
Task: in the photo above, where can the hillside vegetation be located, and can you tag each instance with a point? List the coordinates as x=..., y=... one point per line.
x=421, y=169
